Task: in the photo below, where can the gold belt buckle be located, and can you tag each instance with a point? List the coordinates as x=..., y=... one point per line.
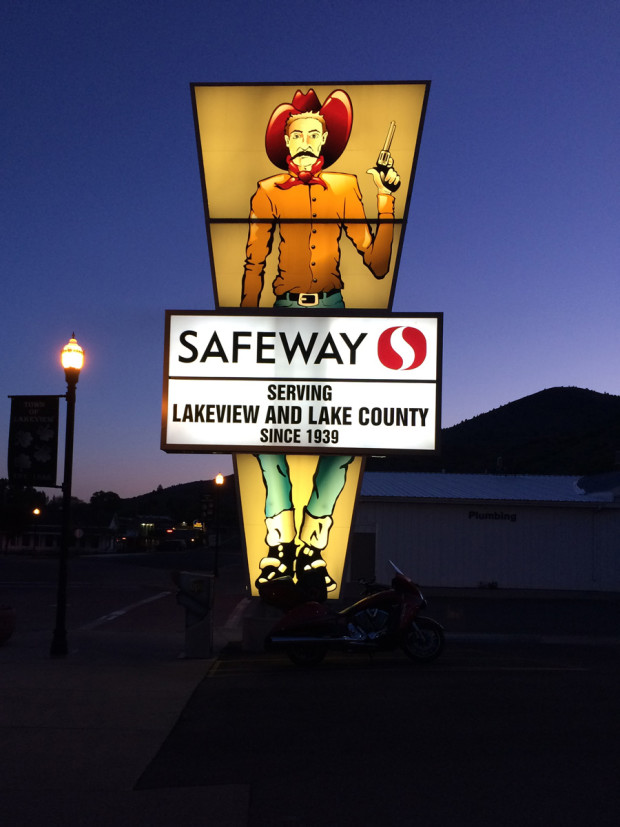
x=308, y=299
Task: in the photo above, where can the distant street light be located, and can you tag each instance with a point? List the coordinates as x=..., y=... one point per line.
x=36, y=512
x=219, y=482
x=72, y=359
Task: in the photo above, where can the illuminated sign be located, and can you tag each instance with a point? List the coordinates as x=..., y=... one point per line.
x=291, y=540
x=352, y=150
x=306, y=192
x=354, y=383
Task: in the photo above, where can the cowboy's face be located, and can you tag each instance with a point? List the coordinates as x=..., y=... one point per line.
x=304, y=139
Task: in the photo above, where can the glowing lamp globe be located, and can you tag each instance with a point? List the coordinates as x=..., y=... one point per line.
x=72, y=356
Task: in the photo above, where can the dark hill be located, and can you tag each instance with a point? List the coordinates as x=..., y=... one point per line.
x=555, y=431
x=184, y=502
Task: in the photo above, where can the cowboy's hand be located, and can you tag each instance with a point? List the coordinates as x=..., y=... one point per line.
x=386, y=179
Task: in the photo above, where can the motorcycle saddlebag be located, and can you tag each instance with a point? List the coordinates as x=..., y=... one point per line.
x=281, y=593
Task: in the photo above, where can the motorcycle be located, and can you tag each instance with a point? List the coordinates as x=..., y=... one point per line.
x=386, y=618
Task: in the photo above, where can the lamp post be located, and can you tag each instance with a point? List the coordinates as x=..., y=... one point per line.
x=72, y=359
x=36, y=512
x=219, y=482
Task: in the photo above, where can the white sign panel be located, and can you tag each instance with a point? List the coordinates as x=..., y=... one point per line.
x=302, y=382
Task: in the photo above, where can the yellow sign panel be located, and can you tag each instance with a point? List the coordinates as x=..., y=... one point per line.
x=306, y=189
x=306, y=192
x=294, y=542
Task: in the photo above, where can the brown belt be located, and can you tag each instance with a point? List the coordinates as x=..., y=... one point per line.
x=308, y=299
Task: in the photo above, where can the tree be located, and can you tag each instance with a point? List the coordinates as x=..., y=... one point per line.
x=17, y=503
x=104, y=504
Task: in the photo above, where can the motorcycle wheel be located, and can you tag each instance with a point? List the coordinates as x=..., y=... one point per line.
x=308, y=654
x=424, y=640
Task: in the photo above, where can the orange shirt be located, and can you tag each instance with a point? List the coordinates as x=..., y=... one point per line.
x=310, y=221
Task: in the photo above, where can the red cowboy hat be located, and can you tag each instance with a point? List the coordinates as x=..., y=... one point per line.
x=337, y=112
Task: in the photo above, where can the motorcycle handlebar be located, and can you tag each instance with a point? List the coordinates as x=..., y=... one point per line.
x=371, y=586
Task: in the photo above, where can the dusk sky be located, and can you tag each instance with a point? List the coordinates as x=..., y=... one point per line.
x=513, y=228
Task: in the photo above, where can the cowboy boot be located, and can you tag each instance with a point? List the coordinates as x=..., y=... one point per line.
x=310, y=568
x=280, y=539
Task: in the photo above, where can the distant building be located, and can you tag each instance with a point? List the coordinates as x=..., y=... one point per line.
x=130, y=534
x=41, y=540
x=469, y=530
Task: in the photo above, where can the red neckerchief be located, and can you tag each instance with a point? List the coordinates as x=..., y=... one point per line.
x=303, y=177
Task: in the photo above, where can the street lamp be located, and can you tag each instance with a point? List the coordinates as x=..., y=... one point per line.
x=219, y=482
x=72, y=359
x=36, y=512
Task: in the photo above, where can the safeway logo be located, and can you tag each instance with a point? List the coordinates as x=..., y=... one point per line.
x=397, y=348
x=401, y=348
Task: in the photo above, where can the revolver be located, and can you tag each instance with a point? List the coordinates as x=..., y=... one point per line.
x=385, y=161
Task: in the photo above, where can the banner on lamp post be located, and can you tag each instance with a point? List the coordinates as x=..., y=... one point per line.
x=33, y=441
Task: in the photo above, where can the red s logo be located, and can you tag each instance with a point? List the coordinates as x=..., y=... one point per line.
x=401, y=348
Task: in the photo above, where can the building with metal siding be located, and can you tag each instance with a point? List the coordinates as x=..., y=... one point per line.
x=460, y=530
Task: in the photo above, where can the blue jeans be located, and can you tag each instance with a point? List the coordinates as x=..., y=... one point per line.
x=328, y=481
x=331, y=471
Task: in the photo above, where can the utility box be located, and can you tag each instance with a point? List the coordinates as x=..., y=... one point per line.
x=195, y=594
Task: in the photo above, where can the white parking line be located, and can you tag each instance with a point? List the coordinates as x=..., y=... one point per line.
x=236, y=615
x=120, y=612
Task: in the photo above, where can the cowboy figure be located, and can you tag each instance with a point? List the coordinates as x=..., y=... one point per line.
x=311, y=208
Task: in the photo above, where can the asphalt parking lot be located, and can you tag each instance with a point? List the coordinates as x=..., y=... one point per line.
x=491, y=733
x=510, y=725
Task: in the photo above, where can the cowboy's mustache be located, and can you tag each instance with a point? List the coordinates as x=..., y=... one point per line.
x=305, y=152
